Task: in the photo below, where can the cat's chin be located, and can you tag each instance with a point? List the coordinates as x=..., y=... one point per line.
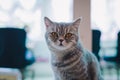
x=61, y=47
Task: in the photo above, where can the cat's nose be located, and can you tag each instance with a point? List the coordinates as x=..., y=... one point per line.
x=61, y=40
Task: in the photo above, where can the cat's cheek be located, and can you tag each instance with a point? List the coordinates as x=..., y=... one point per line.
x=70, y=45
x=48, y=39
x=74, y=41
x=55, y=44
x=52, y=45
x=65, y=43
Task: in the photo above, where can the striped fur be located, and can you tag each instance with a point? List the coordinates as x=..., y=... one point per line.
x=70, y=61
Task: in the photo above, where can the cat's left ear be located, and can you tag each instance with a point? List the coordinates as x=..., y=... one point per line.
x=48, y=22
x=76, y=23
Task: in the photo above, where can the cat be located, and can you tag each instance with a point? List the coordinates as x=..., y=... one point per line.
x=69, y=59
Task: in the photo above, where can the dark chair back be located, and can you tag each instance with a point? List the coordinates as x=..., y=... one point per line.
x=118, y=47
x=96, y=34
x=13, y=49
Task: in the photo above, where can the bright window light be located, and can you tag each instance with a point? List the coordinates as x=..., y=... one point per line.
x=62, y=10
x=4, y=18
x=27, y=4
x=6, y=4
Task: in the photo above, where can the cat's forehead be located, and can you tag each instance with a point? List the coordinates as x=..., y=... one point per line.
x=64, y=27
x=61, y=26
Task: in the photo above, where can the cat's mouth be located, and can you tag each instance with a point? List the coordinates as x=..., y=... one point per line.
x=60, y=44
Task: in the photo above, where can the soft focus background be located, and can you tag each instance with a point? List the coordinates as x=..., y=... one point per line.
x=103, y=16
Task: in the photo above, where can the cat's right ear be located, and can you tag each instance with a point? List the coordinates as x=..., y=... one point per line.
x=76, y=23
x=47, y=22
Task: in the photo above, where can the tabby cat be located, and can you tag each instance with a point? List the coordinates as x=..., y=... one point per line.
x=69, y=59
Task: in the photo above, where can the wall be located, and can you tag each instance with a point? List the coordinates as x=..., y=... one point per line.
x=81, y=8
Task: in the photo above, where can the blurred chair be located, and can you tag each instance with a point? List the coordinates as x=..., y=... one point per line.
x=116, y=59
x=13, y=51
x=96, y=34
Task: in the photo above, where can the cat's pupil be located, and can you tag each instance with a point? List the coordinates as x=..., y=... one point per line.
x=54, y=34
x=68, y=35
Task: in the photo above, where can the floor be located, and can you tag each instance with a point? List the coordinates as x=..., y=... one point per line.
x=43, y=72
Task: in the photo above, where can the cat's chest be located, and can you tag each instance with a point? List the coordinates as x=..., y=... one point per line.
x=72, y=66
x=76, y=72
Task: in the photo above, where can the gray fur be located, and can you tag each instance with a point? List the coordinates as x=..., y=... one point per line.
x=70, y=61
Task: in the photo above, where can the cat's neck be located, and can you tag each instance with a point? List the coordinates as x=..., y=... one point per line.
x=58, y=55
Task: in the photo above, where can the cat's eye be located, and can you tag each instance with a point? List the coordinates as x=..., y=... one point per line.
x=68, y=35
x=54, y=34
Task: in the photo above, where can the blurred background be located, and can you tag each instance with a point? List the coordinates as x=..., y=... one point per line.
x=102, y=15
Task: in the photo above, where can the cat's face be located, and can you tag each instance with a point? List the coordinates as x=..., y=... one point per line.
x=61, y=36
